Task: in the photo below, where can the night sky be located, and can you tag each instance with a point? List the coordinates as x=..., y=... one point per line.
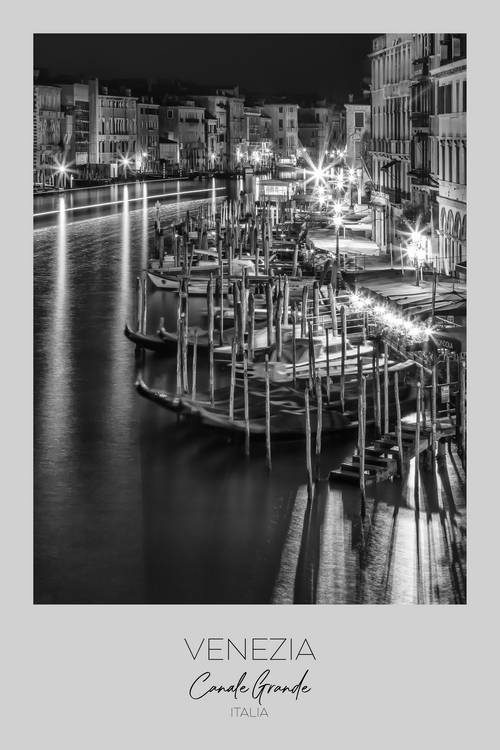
x=329, y=65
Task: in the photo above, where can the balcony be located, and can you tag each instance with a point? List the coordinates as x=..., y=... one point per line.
x=422, y=176
x=420, y=119
x=420, y=67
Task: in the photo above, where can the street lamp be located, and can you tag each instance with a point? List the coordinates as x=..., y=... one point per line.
x=61, y=171
x=351, y=177
x=337, y=220
x=125, y=164
x=417, y=252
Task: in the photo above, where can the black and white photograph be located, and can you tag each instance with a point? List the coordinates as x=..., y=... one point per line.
x=243, y=378
x=250, y=316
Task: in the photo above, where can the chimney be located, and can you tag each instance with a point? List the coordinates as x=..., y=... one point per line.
x=351, y=98
x=128, y=92
x=105, y=90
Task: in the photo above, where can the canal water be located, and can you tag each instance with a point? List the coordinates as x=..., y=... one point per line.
x=132, y=507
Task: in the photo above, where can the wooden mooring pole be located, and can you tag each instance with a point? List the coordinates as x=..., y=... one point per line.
x=417, y=446
x=399, y=433
x=342, y=360
x=319, y=424
x=386, y=389
x=268, y=418
x=294, y=344
x=308, y=446
x=245, y=402
x=362, y=443
x=178, y=370
x=210, y=308
x=233, y=379
x=328, y=384
x=194, y=363
x=434, y=413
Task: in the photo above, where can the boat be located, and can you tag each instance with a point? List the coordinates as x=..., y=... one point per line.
x=282, y=370
x=287, y=413
x=153, y=342
x=168, y=278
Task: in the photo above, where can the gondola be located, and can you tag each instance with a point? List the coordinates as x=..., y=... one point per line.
x=152, y=342
x=287, y=418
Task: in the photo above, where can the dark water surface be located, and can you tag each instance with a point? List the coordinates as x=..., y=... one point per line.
x=131, y=507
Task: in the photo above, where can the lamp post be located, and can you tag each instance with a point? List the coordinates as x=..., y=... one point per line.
x=61, y=172
x=417, y=252
x=337, y=220
x=352, y=179
x=125, y=164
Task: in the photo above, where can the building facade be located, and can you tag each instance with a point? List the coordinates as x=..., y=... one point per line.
x=315, y=131
x=75, y=104
x=284, y=128
x=258, y=146
x=216, y=106
x=448, y=72
x=186, y=121
x=48, y=129
x=391, y=71
x=148, y=136
x=419, y=144
x=112, y=131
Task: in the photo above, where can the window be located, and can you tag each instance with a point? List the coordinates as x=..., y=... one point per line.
x=464, y=97
x=170, y=114
x=280, y=110
x=280, y=124
x=444, y=99
x=359, y=119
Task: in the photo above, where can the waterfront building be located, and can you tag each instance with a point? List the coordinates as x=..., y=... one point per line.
x=319, y=130
x=448, y=71
x=391, y=71
x=148, y=136
x=258, y=145
x=357, y=141
x=112, y=131
x=216, y=106
x=169, y=154
x=357, y=133
x=227, y=106
x=211, y=141
x=186, y=121
x=419, y=144
x=284, y=127
x=75, y=105
x=48, y=131
x=236, y=127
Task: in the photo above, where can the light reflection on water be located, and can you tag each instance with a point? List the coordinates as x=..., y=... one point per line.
x=132, y=507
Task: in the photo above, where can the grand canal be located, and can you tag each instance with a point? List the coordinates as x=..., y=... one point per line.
x=131, y=507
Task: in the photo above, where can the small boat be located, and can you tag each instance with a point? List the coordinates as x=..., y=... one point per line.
x=199, y=275
x=287, y=410
x=153, y=342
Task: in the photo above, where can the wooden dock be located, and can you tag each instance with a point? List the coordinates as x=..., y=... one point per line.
x=382, y=457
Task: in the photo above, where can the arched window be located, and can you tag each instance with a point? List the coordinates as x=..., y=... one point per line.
x=449, y=224
x=463, y=233
x=456, y=238
x=443, y=220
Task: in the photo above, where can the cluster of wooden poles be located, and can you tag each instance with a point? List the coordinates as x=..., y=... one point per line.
x=240, y=226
